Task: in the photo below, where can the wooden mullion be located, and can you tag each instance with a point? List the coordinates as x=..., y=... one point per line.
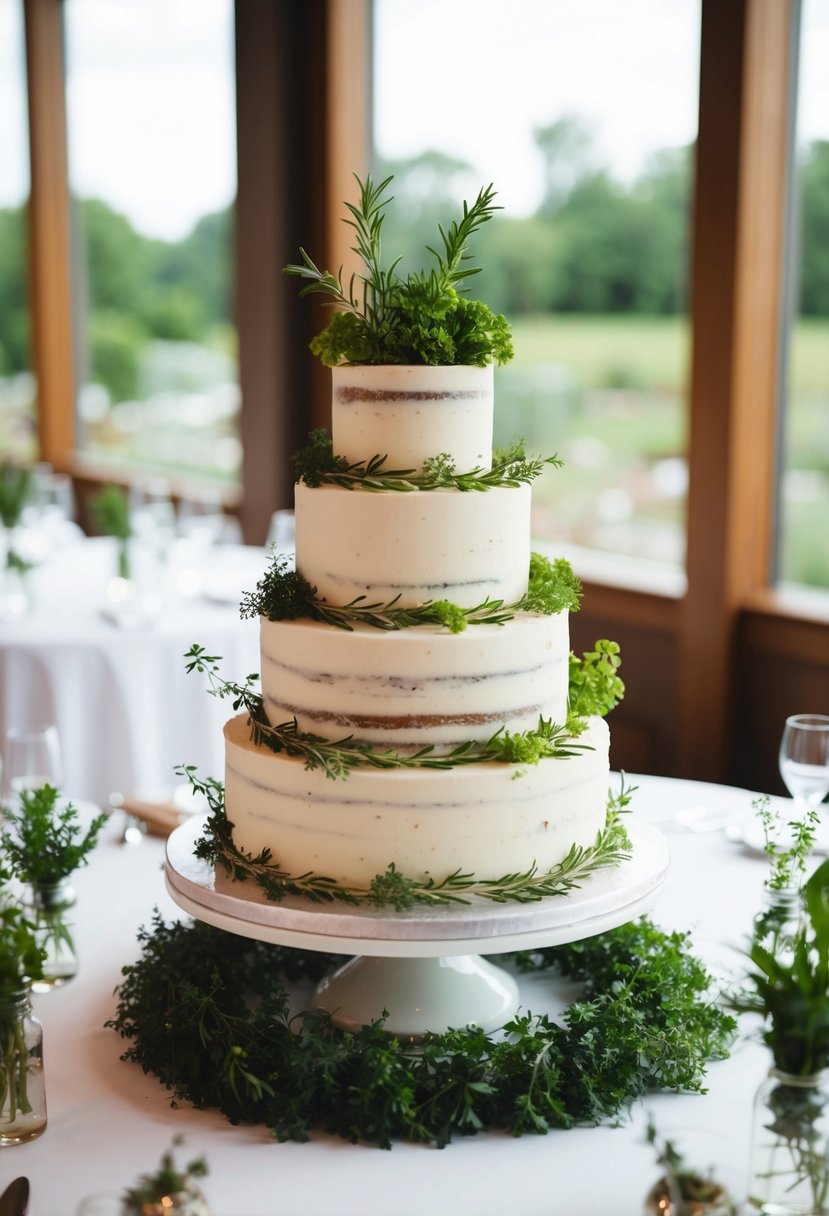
x=50, y=280
x=737, y=294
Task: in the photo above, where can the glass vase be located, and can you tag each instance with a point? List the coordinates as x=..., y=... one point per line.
x=22, y=1081
x=789, y=1170
x=51, y=913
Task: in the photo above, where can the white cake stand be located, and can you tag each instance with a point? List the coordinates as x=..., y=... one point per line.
x=422, y=968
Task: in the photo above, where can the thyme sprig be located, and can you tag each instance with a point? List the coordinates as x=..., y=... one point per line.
x=317, y=465
x=397, y=890
x=339, y=757
x=283, y=594
x=207, y=1013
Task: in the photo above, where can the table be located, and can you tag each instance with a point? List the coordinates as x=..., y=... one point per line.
x=126, y=710
x=108, y=1122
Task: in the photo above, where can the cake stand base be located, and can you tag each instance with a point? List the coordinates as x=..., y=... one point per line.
x=419, y=995
x=422, y=967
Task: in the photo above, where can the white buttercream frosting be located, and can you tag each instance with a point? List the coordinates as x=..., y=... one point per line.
x=411, y=413
x=485, y=819
x=418, y=546
x=417, y=686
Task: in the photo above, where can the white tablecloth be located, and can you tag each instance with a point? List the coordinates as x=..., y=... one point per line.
x=109, y=1123
x=126, y=711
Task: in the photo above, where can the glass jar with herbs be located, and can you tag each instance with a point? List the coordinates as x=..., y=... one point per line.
x=22, y=1080
x=788, y=987
x=44, y=842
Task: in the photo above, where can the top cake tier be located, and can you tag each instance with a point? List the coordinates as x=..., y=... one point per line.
x=408, y=414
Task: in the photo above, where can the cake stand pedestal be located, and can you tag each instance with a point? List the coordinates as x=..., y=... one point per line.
x=423, y=968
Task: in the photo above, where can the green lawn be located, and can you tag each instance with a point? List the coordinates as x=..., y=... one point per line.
x=608, y=394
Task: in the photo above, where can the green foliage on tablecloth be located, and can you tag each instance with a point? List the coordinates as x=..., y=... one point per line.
x=208, y=1014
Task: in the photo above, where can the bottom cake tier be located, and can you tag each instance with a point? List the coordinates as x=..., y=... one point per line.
x=485, y=819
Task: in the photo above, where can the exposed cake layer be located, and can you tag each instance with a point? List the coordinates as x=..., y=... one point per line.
x=417, y=686
x=484, y=819
x=418, y=546
x=411, y=413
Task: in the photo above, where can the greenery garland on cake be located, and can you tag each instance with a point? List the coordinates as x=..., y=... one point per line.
x=595, y=688
x=317, y=465
x=397, y=890
x=208, y=1013
x=283, y=594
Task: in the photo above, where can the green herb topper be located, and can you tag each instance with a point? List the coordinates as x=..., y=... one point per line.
x=421, y=319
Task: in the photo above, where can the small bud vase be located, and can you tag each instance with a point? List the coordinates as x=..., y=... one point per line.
x=51, y=913
x=789, y=1170
x=22, y=1080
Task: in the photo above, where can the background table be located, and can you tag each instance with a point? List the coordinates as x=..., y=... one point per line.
x=108, y=1122
x=126, y=710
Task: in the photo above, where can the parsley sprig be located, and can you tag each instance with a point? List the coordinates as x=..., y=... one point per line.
x=283, y=594
x=423, y=318
x=397, y=890
x=208, y=1014
x=317, y=465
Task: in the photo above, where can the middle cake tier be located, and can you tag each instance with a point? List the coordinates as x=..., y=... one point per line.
x=416, y=686
x=417, y=546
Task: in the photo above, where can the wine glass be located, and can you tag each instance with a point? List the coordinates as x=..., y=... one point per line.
x=804, y=762
x=33, y=759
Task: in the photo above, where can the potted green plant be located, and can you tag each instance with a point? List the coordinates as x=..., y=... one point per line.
x=111, y=513
x=44, y=843
x=22, y=1083
x=168, y=1191
x=409, y=352
x=787, y=987
x=683, y=1190
x=15, y=566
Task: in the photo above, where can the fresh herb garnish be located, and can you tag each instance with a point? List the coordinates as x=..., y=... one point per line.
x=316, y=465
x=208, y=1014
x=397, y=890
x=595, y=688
x=283, y=594
x=422, y=319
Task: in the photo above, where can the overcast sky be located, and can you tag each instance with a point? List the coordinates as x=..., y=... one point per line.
x=151, y=117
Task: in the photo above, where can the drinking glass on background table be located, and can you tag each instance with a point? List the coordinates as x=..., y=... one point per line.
x=804, y=765
x=32, y=759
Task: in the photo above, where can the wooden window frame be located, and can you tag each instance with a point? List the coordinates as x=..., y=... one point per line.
x=711, y=672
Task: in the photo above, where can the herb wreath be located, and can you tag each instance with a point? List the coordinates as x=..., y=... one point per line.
x=283, y=594
x=208, y=1014
x=317, y=465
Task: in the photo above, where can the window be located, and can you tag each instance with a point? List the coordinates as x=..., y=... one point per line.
x=151, y=146
x=17, y=386
x=586, y=127
x=804, y=483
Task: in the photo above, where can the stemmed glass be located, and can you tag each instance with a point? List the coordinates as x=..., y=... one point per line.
x=33, y=759
x=804, y=764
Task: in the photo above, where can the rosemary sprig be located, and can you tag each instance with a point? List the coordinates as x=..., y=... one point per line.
x=339, y=757
x=284, y=594
x=424, y=318
x=316, y=465
x=395, y=889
